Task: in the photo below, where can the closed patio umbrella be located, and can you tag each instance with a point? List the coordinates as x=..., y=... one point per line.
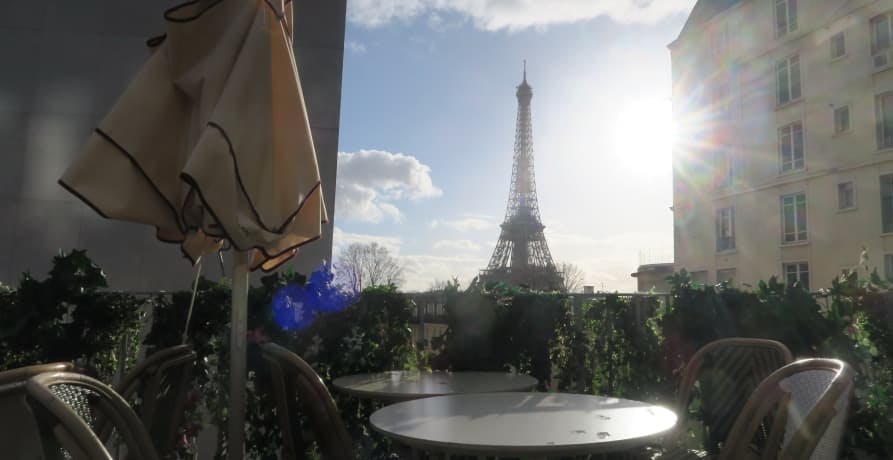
x=211, y=142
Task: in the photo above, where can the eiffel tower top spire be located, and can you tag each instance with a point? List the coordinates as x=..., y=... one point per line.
x=524, y=89
x=521, y=255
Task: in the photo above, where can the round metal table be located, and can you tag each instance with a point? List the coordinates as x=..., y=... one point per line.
x=523, y=424
x=402, y=385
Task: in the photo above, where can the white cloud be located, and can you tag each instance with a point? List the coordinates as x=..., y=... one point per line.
x=467, y=223
x=377, y=12
x=342, y=239
x=355, y=47
x=370, y=181
x=608, y=261
x=355, y=202
x=421, y=271
x=515, y=14
x=457, y=245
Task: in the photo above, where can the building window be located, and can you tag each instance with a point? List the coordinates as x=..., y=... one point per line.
x=887, y=203
x=846, y=196
x=725, y=229
x=725, y=274
x=793, y=217
x=699, y=277
x=888, y=267
x=841, y=119
x=788, y=73
x=724, y=170
x=797, y=273
x=785, y=17
x=790, y=146
x=884, y=114
x=838, y=45
x=881, y=39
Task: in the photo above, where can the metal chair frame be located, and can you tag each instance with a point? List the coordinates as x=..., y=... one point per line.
x=74, y=433
x=146, y=379
x=21, y=436
x=771, y=397
x=694, y=372
x=294, y=379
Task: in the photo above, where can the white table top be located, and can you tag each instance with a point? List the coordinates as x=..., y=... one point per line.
x=523, y=424
x=401, y=385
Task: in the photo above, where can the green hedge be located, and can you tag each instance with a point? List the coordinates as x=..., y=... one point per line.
x=610, y=344
x=67, y=317
x=371, y=334
x=501, y=328
x=634, y=348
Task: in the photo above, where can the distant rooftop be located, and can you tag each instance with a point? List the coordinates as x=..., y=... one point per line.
x=666, y=267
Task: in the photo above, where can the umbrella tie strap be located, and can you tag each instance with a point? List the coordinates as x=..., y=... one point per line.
x=198, y=273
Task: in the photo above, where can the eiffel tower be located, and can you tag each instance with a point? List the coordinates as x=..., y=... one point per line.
x=521, y=256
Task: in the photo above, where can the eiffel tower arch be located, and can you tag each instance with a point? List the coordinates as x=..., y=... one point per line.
x=522, y=255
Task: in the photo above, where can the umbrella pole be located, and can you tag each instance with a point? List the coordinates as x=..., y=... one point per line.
x=237, y=374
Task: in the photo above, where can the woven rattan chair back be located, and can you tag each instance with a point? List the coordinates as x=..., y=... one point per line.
x=21, y=436
x=299, y=390
x=809, y=401
x=157, y=388
x=68, y=404
x=726, y=372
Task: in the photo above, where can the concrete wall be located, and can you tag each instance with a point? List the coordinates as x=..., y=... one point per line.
x=63, y=64
x=739, y=48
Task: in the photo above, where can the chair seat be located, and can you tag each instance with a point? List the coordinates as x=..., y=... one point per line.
x=680, y=453
x=693, y=454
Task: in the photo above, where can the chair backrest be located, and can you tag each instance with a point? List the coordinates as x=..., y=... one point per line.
x=20, y=374
x=160, y=383
x=66, y=404
x=808, y=400
x=21, y=436
x=294, y=381
x=727, y=371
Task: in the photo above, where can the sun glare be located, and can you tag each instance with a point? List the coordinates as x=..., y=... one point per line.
x=644, y=136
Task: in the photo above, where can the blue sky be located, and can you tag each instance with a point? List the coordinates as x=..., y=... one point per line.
x=427, y=130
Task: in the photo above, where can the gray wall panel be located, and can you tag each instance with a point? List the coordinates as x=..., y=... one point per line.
x=43, y=227
x=320, y=70
x=23, y=14
x=8, y=270
x=53, y=142
x=20, y=49
x=65, y=64
x=13, y=129
x=320, y=23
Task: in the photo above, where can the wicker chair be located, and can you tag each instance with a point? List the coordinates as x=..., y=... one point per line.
x=809, y=400
x=159, y=384
x=294, y=381
x=726, y=371
x=66, y=405
x=20, y=374
x=21, y=436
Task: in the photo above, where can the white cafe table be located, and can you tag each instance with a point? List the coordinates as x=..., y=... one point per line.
x=527, y=425
x=404, y=385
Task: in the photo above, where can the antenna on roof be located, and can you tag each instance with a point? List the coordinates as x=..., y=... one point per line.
x=525, y=70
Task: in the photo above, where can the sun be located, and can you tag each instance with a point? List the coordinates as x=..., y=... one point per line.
x=644, y=136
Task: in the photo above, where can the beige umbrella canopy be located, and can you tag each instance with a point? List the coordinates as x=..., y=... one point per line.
x=210, y=142
x=211, y=139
